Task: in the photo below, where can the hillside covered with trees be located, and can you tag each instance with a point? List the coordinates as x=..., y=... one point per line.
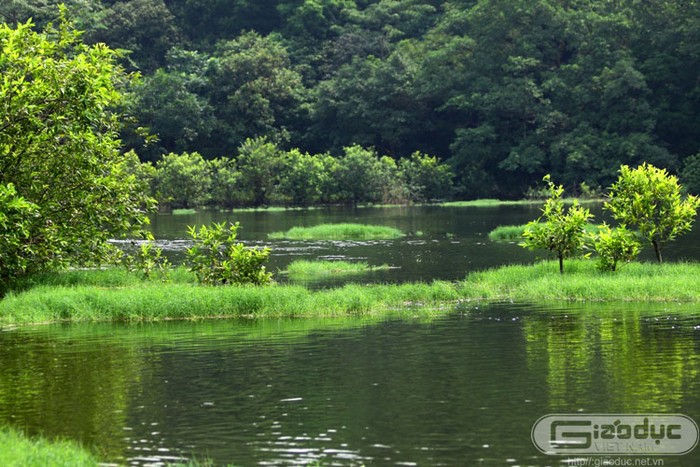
x=504, y=91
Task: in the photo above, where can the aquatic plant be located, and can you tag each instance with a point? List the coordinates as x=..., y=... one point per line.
x=344, y=231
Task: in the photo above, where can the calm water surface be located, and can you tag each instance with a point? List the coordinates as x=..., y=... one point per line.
x=462, y=389
x=440, y=243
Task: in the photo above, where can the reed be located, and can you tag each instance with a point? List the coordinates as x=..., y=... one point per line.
x=338, y=232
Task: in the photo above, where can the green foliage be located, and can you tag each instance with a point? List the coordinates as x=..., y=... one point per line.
x=20, y=450
x=649, y=199
x=59, y=148
x=16, y=251
x=182, y=180
x=427, y=179
x=217, y=259
x=558, y=230
x=254, y=90
x=259, y=164
x=614, y=246
x=691, y=174
x=148, y=260
x=226, y=190
x=302, y=178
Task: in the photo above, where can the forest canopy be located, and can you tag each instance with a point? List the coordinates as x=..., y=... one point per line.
x=504, y=91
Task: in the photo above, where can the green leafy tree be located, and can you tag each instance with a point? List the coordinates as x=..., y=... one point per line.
x=301, y=177
x=179, y=117
x=144, y=28
x=357, y=175
x=59, y=149
x=259, y=161
x=182, y=180
x=426, y=177
x=217, y=258
x=559, y=229
x=649, y=199
x=226, y=190
x=255, y=90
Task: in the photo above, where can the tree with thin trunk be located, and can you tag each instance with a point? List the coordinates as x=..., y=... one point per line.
x=649, y=199
x=558, y=230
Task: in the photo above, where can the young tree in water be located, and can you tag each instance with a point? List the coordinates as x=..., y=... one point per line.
x=65, y=187
x=558, y=230
x=649, y=199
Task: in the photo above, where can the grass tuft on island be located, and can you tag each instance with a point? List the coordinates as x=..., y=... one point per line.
x=138, y=300
x=514, y=233
x=304, y=269
x=18, y=449
x=338, y=232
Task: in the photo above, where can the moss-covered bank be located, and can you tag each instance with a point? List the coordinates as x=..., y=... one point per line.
x=120, y=297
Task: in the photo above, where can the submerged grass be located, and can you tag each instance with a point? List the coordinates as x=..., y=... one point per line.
x=153, y=301
x=303, y=269
x=19, y=450
x=339, y=232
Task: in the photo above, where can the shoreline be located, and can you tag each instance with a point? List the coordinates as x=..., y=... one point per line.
x=117, y=296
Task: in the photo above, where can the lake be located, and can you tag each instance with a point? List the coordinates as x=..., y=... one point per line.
x=461, y=389
x=440, y=242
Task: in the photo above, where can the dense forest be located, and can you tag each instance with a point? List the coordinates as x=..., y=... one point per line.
x=504, y=91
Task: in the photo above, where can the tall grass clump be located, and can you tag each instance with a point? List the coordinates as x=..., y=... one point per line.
x=19, y=450
x=344, y=231
x=304, y=269
x=514, y=233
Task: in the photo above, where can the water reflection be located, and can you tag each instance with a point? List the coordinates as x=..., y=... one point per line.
x=463, y=389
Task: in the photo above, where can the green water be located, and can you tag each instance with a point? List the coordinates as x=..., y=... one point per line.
x=462, y=389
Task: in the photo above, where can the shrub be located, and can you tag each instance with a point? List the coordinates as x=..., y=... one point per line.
x=614, y=246
x=217, y=259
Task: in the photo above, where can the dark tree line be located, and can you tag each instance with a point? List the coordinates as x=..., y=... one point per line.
x=505, y=91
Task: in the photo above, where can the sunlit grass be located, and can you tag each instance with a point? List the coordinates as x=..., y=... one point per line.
x=139, y=300
x=304, y=269
x=338, y=232
x=16, y=449
x=488, y=203
x=513, y=233
x=581, y=281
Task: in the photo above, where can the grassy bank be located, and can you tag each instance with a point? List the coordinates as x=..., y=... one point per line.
x=19, y=450
x=135, y=300
x=338, y=232
x=318, y=269
x=489, y=203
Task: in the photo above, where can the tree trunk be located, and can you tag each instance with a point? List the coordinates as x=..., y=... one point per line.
x=657, y=250
x=561, y=264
